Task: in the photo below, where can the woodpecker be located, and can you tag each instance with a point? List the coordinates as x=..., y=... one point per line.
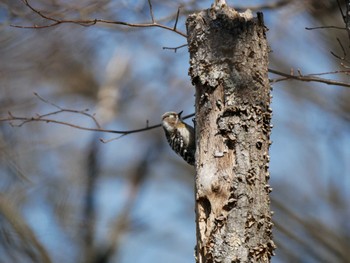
x=180, y=136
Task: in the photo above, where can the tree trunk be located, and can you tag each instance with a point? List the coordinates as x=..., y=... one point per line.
x=228, y=66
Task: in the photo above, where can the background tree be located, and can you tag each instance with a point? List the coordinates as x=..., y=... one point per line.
x=44, y=169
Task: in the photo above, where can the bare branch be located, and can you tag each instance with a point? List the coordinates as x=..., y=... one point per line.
x=341, y=10
x=175, y=48
x=344, y=54
x=337, y=56
x=61, y=110
x=325, y=27
x=91, y=22
x=151, y=11
x=342, y=47
x=46, y=101
x=330, y=72
x=110, y=140
x=177, y=18
x=346, y=18
x=308, y=78
x=25, y=233
x=40, y=118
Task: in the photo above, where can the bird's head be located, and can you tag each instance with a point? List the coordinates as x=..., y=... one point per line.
x=170, y=119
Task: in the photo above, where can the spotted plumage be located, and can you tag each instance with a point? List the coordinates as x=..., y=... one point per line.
x=180, y=136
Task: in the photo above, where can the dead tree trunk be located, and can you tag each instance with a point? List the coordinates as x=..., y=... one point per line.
x=228, y=66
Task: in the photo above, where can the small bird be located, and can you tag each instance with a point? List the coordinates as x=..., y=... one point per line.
x=180, y=136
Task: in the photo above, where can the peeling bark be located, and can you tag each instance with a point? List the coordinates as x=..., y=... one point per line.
x=228, y=66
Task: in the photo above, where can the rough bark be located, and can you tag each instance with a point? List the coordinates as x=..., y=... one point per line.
x=228, y=66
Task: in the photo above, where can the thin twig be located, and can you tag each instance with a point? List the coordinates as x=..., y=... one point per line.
x=308, y=78
x=39, y=118
x=330, y=72
x=110, y=140
x=95, y=21
x=341, y=11
x=175, y=48
x=92, y=22
x=177, y=18
x=25, y=120
x=335, y=55
x=46, y=101
x=343, y=49
x=325, y=27
x=151, y=11
x=60, y=110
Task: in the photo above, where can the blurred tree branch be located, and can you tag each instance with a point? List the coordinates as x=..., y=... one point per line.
x=309, y=77
x=335, y=245
x=30, y=242
x=346, y=16
x=91, y=22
